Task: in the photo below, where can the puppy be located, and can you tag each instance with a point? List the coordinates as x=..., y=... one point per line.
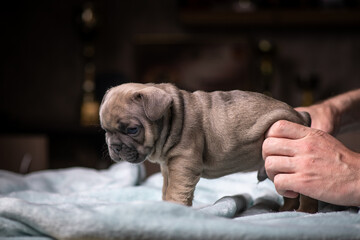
x=191, y=135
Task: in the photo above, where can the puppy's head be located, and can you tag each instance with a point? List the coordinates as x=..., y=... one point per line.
x=130, y=114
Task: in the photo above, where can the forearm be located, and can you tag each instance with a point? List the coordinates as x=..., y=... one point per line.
x=346, y=106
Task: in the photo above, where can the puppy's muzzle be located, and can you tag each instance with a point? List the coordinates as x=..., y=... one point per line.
x=116, y=148
x=123, y=152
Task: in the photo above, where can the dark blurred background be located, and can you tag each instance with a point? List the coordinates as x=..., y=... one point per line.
x=59, y=57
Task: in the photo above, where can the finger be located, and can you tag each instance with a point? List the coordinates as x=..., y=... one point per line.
x=275, y=165
x=286, y=129
x=284, y=185
x=290, y=194
x=278, y=147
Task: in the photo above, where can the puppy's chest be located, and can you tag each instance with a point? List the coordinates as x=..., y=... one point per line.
x=156, y=158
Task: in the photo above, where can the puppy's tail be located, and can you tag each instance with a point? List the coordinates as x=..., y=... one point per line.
x=262, y=175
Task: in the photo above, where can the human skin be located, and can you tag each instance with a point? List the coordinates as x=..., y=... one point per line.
x=335, y=114
x=312, y=162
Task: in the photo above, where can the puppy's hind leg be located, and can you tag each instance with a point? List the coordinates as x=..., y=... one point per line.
x=290, y=204
x=308, y=205
x=301, y=204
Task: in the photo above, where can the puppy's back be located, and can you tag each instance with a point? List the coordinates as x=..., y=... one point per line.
x=250, y=113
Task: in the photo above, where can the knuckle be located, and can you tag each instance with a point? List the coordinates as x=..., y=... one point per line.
x=318, y=133
x=266, y=145
x=276, y=128
x=308, y=147
x=269, y=168
x=280, y=125
x=269, y=163
x=278, y=184
x=277, y=181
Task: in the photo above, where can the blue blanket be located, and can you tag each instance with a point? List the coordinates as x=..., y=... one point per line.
x=117, y=203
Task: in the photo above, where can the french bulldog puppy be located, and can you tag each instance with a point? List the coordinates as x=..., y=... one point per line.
x=191, y=135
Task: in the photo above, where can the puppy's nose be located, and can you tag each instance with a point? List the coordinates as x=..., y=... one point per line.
x=116, y=148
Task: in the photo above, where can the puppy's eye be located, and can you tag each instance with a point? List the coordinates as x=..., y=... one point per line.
x=132, y=131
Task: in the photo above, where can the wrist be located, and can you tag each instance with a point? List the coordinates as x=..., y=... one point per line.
x=333, y=113
x=346, y=107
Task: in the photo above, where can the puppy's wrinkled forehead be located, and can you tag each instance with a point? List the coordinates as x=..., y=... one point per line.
x=116, y=105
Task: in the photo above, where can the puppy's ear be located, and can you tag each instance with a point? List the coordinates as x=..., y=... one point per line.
x=155, y=102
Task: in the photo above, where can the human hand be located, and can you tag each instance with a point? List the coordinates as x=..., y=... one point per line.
x=324, y=116
x=311, y=162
